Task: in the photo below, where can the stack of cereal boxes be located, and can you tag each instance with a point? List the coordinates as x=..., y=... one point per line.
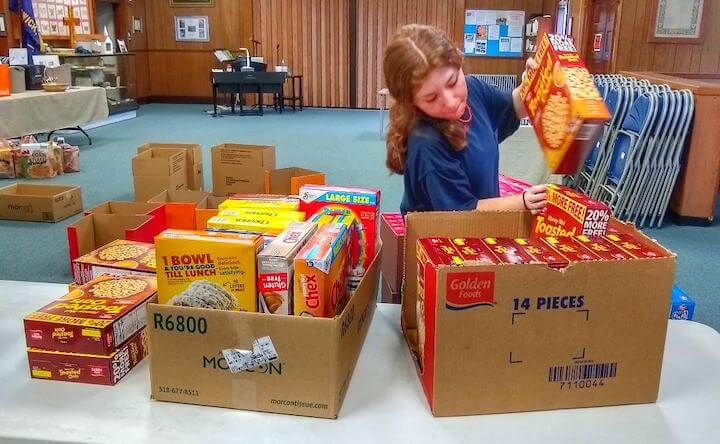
x=94, y=334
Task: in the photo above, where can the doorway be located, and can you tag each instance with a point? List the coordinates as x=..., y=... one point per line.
x=601, y=34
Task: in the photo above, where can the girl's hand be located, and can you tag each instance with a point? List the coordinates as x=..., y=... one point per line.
x=530, y=65
x=535, y=198
x=520, y=112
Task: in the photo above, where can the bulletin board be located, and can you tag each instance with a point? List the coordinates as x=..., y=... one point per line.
x=493, y=33
x=49, y=15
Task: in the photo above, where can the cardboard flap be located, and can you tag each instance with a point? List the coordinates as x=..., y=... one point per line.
x=236, y=154
x=159, y=162
x=288, y=181
x=95, y=230
x=81, y=237
x=122, y=207
x=180, y=196
x=355, y=320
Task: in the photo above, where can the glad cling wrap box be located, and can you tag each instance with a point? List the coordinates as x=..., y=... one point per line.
x=190, y=261
x=362, y=204
x=521, y=337
x=321, y=271
x=563, y=104
x=570, y=213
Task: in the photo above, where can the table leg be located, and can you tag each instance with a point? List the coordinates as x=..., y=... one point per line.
x=260, y=100
x=215, y=100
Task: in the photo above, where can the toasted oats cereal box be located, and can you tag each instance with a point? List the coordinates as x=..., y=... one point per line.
x=276, y=268
x=96, y=318
x=321, y=272
x=474, y=249
x=573, y=251
x=507, y=251
x=635, y=247
x=120, y=257
x=209, y=261
x=571, y=213
x=541, y=252
x=603, y=248
x=563, y=104
x=87, y=368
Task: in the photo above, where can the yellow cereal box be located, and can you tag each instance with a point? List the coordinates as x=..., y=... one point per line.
x=207, y=269
x=296, y=216
x=261, y=202
x=252, y=224
x=563, y=104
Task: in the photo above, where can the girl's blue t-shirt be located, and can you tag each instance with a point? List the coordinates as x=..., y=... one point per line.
x=438, y=178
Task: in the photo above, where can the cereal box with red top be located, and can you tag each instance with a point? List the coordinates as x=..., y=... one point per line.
x=540, y=252
x=603, y=248
x=392, y=235
x=87, y=368
x=572, y=250
x=510, y=186
x=276, y=268
x=362, y=203
x=120, y=257
x=563, y=104
x=637, y=248
x=507, y=250
x=474, y=249
x=96, y=318
x=570, y=213
x=321, y=272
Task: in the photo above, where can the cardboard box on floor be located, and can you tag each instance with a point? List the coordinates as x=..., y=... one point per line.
x=316, y=356
x=511, y=353
x=250, y=169
x=159, y=169
x=39, y=203
x=193, y=159
x=154, y=209
x=96, y=230
x=180, y=207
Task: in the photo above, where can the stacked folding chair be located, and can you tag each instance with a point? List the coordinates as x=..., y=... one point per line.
x=636, y=159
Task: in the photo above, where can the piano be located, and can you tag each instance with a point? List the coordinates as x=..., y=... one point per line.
x=247, y=82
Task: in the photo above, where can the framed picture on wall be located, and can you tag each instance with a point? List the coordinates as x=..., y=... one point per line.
x=3, y=28
x=677, y=21
x=137, y=24
x=194, y=3
x=192, y=28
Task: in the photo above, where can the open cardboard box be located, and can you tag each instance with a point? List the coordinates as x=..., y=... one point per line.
x=96, y=230
x=496, y=341
x=250, y=169
x=154, y=209
x=158, y=169
x=316, y=355
x=180, y=207
x=206, y=210
x=193, y=159
x=39, y=203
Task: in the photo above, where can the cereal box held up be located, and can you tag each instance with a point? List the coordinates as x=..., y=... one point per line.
x=96, y=318
x=88, y=368
x=207, y=269
x=120, y=257
x=563, y=104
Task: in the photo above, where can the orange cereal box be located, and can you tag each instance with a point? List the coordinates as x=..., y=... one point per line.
x=96, y=318
x=321, y=273
x=563, y=104
x=119, y=257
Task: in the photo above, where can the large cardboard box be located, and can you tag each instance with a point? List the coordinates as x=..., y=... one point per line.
x=39, y=203
x=508, y=338
x=97, y=230
x=156, y=210
x=193, y=158
x=180, y=207
x=316, y=355
x=241, y=168
x=159, y=169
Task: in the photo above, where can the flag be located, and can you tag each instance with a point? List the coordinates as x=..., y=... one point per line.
x=30, y=34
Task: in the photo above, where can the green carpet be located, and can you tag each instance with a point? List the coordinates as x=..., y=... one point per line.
x=345, y=144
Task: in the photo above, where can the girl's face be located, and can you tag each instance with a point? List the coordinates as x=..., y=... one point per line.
x=443, y=93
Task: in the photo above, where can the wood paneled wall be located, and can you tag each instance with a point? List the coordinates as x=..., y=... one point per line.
x=377, y=21
x=635, y=53
x=182, y=69
x=5, y=40
x=136, y=42
x=314, y=41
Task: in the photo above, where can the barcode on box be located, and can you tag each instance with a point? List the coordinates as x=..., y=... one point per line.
x=564, y=373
